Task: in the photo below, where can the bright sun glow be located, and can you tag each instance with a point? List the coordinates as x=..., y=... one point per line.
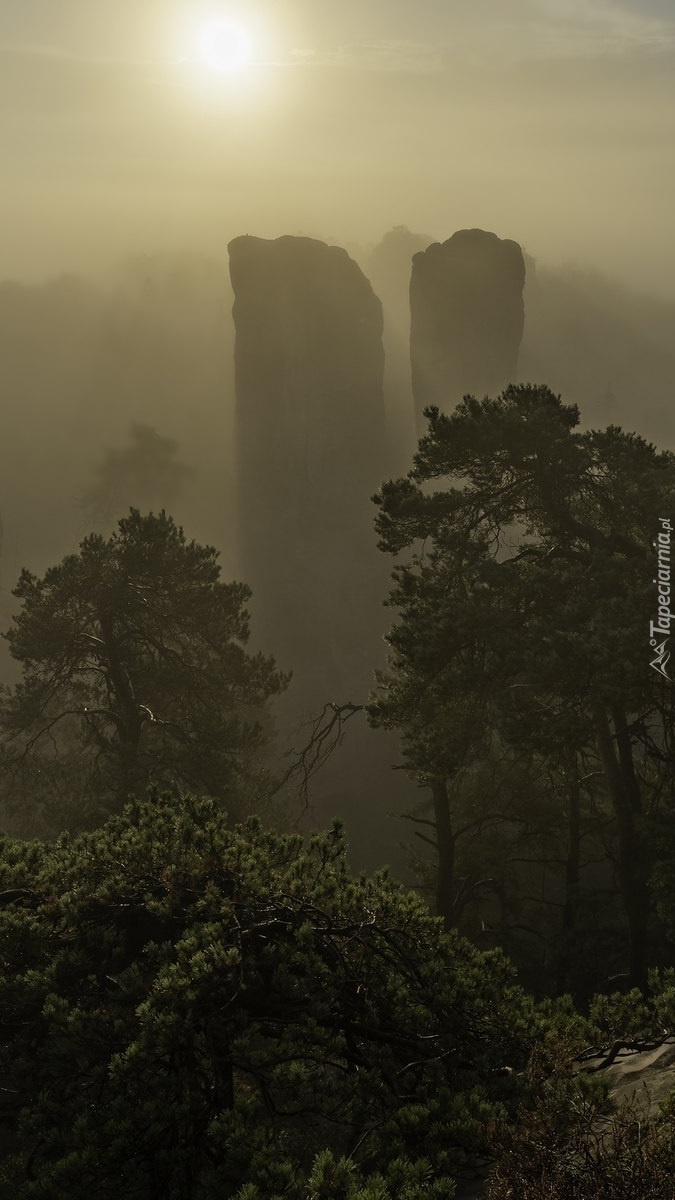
x=224, y=46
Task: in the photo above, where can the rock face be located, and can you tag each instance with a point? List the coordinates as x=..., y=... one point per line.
x=310, y=437
x=643, y=1077
x=467, y=318
x=310, y=434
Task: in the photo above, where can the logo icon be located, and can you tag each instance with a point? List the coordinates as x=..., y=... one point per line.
x=662, y=658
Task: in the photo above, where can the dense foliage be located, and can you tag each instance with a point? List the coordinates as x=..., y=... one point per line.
x=191, y=1011
x=134, y=668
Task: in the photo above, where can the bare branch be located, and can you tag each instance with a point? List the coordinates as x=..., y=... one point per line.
x=326, y=732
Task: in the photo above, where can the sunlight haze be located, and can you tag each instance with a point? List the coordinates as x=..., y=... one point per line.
x=548, y=122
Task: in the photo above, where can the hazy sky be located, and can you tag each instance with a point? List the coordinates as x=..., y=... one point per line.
x=549, y=121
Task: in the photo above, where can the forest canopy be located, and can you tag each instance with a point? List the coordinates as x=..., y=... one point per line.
x=188, y=1010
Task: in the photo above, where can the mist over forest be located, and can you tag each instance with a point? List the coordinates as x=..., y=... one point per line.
x=337, y=504
x=491, y=735
x=152, y=345
x=121, y=393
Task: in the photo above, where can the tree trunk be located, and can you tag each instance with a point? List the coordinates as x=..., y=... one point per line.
x=625, y=797
x=572, y=871
x=445, y=879
x=130, y=726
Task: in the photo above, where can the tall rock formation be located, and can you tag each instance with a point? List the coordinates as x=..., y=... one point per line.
x=467, y=318
x=310, y=433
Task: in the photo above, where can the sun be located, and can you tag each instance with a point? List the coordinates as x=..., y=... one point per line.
x=224, y=46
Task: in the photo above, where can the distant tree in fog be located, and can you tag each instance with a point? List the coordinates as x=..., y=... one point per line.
x=146, y=473
x=134, y=669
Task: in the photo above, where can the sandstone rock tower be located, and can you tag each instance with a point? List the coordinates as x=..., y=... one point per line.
x=310, y=433
x=467, y=318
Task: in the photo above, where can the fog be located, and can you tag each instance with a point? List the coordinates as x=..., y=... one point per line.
x=127, y=167
x=120, y=390
x=549, y=123
x=84, y=360
x=82, y=363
